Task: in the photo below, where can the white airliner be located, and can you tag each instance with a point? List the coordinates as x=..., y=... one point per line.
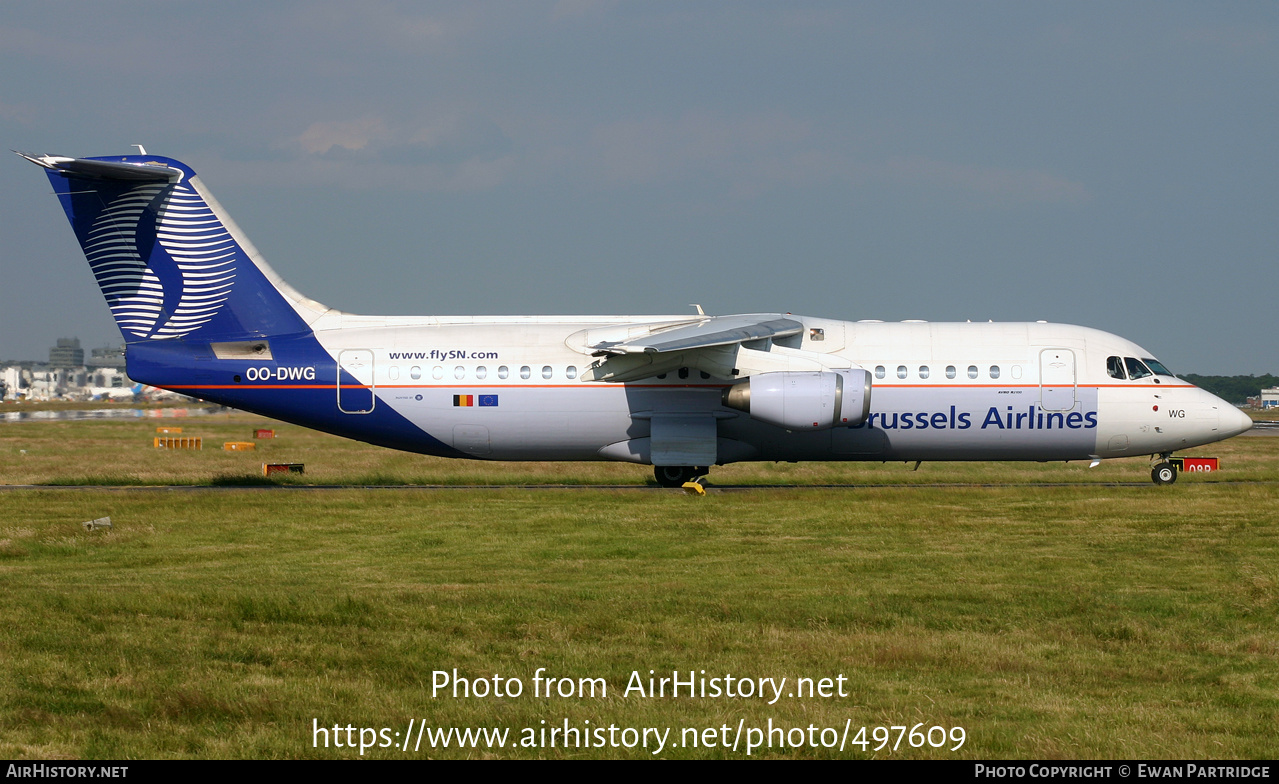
x=203, y=314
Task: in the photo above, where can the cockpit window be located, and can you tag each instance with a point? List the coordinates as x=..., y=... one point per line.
x=1157, y=366
x=1115, y=367
x=1136, y=369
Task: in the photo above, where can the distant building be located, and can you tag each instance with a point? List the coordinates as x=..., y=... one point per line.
x=68, y=377
x=67, y=354
x=1270, y=398
x=54, y=383
x=16, y=380
x=107, y=357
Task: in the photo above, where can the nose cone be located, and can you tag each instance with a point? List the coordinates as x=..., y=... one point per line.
x=1233, y=421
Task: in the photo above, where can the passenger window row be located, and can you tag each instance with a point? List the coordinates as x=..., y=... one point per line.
x=503, y=372
x=481, y=372
x=924, y=371
x=1124, y=368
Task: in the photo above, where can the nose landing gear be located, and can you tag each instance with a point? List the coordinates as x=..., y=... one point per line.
x=1164, y=472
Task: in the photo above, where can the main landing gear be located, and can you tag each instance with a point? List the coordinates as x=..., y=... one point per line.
x=1164, y=472
x=676, y=476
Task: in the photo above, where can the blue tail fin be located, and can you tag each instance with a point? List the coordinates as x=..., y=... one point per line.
x=170, y=263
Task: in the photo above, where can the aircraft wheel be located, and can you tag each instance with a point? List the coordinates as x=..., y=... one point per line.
x=674, y=476
x=1164, y=474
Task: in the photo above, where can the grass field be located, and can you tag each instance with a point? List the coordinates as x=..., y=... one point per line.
x=121, y=453
x=1089, y=619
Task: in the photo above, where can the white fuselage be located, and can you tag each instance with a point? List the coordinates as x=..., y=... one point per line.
x=941, y=391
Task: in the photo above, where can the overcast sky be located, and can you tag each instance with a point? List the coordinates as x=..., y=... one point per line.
x=1108, y=164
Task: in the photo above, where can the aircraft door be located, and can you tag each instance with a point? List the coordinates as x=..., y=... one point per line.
x=1056, y=379
x=356, y=398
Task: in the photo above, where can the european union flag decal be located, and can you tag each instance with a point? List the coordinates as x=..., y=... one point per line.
x=466, y=401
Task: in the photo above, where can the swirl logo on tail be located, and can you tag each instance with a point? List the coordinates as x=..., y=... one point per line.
x=164, y=261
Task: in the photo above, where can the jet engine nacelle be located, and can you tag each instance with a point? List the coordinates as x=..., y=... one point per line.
x=804, y=400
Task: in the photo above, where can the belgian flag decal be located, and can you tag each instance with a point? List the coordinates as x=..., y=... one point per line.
x=465, y=401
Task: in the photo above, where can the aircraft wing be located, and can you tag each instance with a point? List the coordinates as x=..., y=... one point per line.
x=708, y=333
x=714, y=344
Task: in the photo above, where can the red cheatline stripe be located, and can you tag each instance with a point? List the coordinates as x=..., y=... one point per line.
x=606, y=385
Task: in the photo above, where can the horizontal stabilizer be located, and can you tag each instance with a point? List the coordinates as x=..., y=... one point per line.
x=106, y=170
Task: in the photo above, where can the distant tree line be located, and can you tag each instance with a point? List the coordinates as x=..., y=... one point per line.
x=1233, y=389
